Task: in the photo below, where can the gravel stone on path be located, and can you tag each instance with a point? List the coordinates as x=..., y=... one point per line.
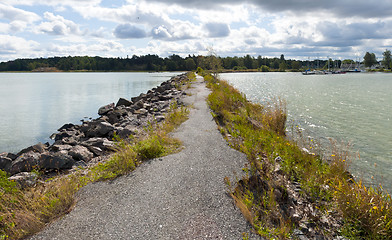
x=180, y=196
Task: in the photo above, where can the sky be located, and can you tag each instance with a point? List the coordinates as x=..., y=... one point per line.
x=299, y=29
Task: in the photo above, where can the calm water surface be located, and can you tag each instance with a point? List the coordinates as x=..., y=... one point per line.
x=35, y=105
x=355, y=108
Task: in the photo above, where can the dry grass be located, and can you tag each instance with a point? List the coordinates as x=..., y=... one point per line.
x=26, y=212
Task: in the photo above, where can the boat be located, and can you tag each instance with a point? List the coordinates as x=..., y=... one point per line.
x=308, y=72
x=314, y=72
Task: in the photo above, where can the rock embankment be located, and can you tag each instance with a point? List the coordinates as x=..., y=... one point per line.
x=80, y=145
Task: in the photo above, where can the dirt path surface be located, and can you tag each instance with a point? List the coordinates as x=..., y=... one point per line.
x=181, y=196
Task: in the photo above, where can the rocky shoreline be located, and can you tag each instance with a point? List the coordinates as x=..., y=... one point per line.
x=92, y=141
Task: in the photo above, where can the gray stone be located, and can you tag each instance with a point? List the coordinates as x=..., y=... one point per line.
x=160, y=89
x=39, y=148
x=165, y=97
x=95, y=150
x=141, y=111
x=67, y=134
x=116, y=115
x=25, y=179
x=154, y=99
x=80, y=164
x=127, y=131
x=5, y=163
x=105, y=109
x=56, y=161
x=57, y=148
x=105, y=128
x=25, y=162
x=101, y=143
x=123, y=102
x=73, y=140
x=159, y=118
x=298, y=234
x=139, y=104
x=80, y=153
x=146, y=105
x=99, y=129
x=11, y=155
x=66, y=126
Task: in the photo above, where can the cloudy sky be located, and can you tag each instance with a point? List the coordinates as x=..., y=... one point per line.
x=299, y=29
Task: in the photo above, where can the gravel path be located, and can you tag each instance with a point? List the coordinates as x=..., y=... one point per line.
x=181, y=196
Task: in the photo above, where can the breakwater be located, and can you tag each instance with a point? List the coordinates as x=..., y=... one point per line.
x=92, y=141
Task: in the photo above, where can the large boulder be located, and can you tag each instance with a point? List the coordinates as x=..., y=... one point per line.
x=10, y=155
x=160, y=89
x=5, y=163
x=25, y=162
x=102, y=143
x=80, y=153
x=39, y=148
x=56, y=161
x=105, y=109
x=60, y=147
x=95, y=150
x=123, y=102
x=67, y=126
x=25, y=179
x=139, y=104
x=68, y=134
x=141, y=96
x=98, y=129
x=117, y=115
x=125, y=132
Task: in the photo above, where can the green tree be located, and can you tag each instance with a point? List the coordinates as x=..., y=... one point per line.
x=275, y=63
x=282, y=66
x=295, y=65
x=171, y=65
x=264, y=68
x=190, y=64
x=369, y=59
x=387, y=60
x=248, y=62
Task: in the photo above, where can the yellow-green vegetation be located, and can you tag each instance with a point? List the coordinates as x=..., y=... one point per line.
x=275, y=163
x=25, y=211
x=153, y=142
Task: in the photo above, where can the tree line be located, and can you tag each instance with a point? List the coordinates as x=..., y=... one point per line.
x=177, y=63
x=153, y=63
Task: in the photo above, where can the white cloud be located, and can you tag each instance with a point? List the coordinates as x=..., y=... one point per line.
x=164, y=48
x=102, y=48
x=136, y=14
x=58, y=25
x=4, y=28
x=15, y=14
x=160, y=32
x=11, y=45
x=226, y=14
